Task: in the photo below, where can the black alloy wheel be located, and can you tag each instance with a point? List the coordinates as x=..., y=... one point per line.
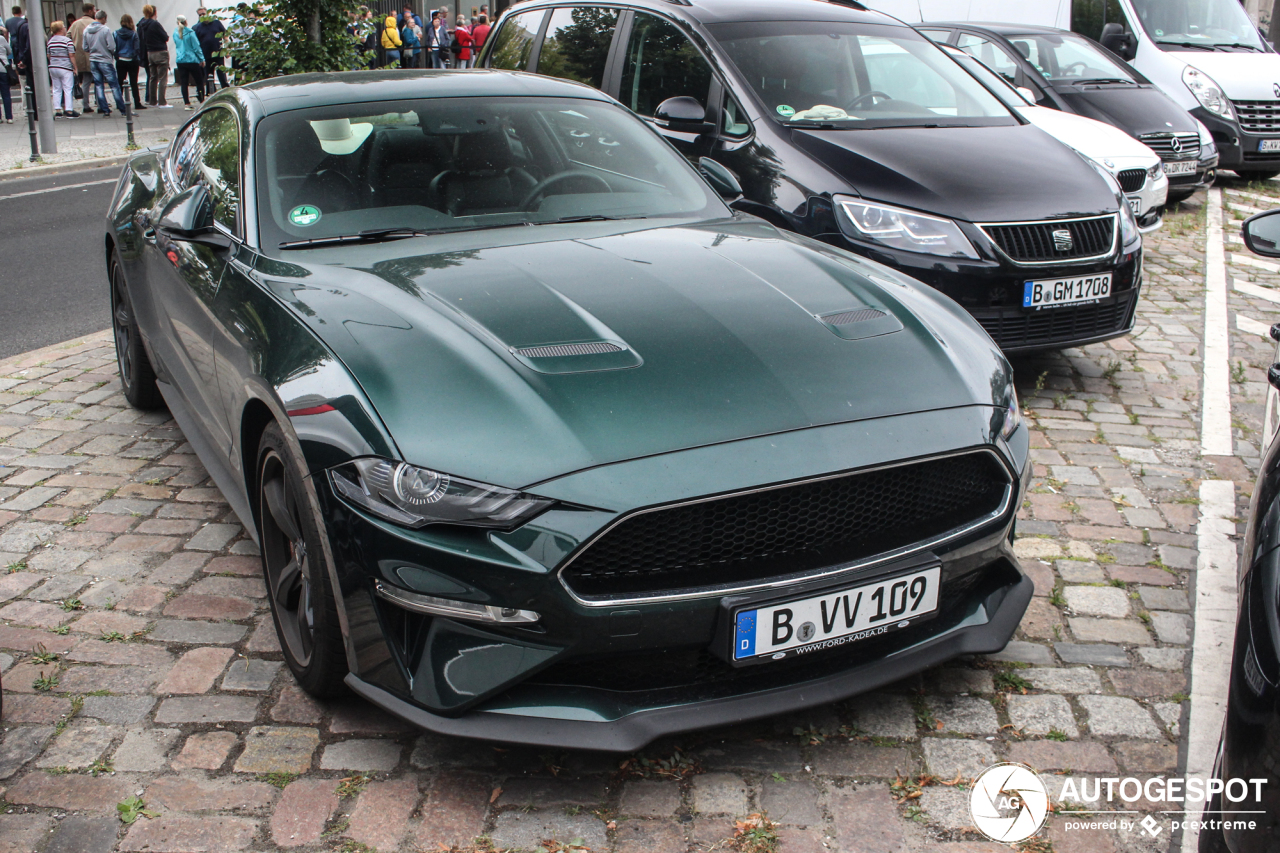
x=296, y=574
x=137, y=376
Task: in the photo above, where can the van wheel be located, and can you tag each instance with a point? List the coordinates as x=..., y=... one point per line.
x=137, y=376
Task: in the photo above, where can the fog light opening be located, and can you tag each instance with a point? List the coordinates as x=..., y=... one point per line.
x=434, y=606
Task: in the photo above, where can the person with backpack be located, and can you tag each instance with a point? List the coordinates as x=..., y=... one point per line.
x=155, y=49
x=128, y=51
x=190, y=60
x=462, y=40
x=391, y=41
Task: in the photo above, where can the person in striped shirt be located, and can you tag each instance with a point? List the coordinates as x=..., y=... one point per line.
x=62, y=70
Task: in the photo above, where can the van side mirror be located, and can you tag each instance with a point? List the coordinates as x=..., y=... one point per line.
x=682, y=114
x=1116, y=40
x=188, y=214
x=720, y=178
x=1027, y=94
x=1261, y=233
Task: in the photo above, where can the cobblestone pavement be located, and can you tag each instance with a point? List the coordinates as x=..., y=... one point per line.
x=143, y=681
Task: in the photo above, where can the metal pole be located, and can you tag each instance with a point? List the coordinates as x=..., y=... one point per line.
x=40, y=66
x=128, y=114
x=29, y=99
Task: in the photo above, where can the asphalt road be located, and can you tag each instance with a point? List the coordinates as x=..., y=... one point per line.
x=52, y=271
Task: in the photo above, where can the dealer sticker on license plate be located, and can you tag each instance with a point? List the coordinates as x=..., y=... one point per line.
x=1051, y=293
x=1269, y=145
x=1180, y=167
x=835, y=618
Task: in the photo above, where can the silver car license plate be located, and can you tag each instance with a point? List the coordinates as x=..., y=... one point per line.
x=1180, y=167
x=1269, y=145
x=1052, y=293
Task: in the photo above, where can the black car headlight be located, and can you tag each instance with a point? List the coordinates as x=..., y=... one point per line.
x=1012, y=415
x=899, y=228
x=415, y=497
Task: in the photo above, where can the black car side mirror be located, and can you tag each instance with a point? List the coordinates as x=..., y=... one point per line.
x=1261, y=233
x=682, y=114
x=188, y=215
x=1116, y=40
x=720, y=178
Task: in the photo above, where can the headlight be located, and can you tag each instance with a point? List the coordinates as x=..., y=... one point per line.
x=415, y=497
x=1154, y=172
x=899, y=228
x=1012, y=415
x=1207, y=92
x=1128, y=224
x=1208, y=147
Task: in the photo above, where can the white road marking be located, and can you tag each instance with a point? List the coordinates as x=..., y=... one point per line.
x=1253, y=327
x=1243, y=208
x=1215, y=412
x=1215, y=622
x=1260, y=292
x=1274, y=200
x=56, y=189
x=1247, y=261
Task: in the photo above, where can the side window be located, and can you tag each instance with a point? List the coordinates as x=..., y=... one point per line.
x=577, y=44
x=661, y=63
x=735, y=123
x=220, y=165
x=991, y=55
x=940, y=36
x=1088, y=17
x=514, y=42
x=185, y=153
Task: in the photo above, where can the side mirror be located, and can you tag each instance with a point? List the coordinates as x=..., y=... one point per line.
x=188, y=214
x=682, y=114
x=720, y=178
x=1116, y=40
x=1026, y=93
x=1261, y=233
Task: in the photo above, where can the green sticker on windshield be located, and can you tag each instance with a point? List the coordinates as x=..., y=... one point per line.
x=786, y=111
x=304, y=215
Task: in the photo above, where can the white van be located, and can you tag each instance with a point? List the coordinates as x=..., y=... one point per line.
x=1205, y=54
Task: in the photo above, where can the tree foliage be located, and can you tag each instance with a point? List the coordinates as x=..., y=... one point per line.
x=291, y=37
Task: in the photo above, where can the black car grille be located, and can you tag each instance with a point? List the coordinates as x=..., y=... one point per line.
x=1015, y=328
x=1033, y=242
x=1258, y=116
x=660, y=669
x=779, y=531
x=1132, y=180
x=1173, y=146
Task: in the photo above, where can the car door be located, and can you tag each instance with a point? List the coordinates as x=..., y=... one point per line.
x=577, y=44
x=660, y=62
x=185, y=275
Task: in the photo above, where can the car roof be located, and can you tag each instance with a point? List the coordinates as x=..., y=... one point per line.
x=733, y=11
x=998, y=29
x=297, y=91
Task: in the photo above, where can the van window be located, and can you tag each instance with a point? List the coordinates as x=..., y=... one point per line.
x=661, y=63
x=1202, y=23
x=1088, y=16
x=991, y=55
x=1070, y=58
x=735, y=123
x=514, y=42
x=577, y=43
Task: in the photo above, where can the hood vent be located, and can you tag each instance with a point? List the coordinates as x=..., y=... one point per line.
x=854, y=324
x=845, y=318
x=562, y=350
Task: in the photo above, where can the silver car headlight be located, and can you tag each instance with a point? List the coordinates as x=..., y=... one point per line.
x=899, y=228
x=1128, y=224
x=1012, y=415
x=1208, y=147
x=1155, y=171
x=415, y=497
x=1207, y=92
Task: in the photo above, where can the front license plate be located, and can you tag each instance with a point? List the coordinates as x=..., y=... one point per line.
x=1269, y=145
x=1180, y=167
x=1051, y=293
x=835, y=618
x=1135, y=204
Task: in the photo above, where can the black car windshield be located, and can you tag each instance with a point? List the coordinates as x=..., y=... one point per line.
x=387, y=169
x=1066, y=58
x=855, y=76
x=1211, y=24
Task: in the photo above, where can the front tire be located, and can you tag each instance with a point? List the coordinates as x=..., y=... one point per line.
x=137, y=376
x=1212, y=841
x=296, y=573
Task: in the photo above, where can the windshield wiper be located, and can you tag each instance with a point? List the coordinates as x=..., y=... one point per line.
x=377, y=235
x=1224, y=46
x=1190, y=44
x=1103, y=80
x=589, y=217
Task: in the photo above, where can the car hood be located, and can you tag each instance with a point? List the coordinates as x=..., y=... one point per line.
x=1242, y=76
x=1137, y=109
x=980, y=174
x=693, y=335
x=1091, y=138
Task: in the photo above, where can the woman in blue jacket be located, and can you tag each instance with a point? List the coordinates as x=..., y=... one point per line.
x=190, y=60
x=411, y=56
x=128, y=58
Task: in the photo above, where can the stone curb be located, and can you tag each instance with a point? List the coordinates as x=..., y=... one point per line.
x=59, y=168
x=52, y=351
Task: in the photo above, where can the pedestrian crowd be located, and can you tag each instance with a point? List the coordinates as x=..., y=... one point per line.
x=403, y=41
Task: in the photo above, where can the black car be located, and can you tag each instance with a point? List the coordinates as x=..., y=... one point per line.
x=1072, y=73
x=1250, y=745
x=850, y=127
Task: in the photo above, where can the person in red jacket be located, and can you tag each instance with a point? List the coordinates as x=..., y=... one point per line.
x=462, y=37
x=479, y=33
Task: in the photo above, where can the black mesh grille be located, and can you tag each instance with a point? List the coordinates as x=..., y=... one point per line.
x=797, y=528
x=845, y=318
x=1173, y=146
x=1259, y=116
x=1132, y=180
x=1013, y=328
x=1044, y=241
x=561, y=350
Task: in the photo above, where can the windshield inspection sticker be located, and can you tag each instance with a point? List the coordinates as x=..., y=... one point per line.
x=304, y=215
x=786, y=111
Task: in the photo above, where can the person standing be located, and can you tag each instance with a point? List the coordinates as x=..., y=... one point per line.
x=391, y=41
x=446, y=43
x=100, y=44
x=412, y=45
x=6, y=66
x=479, y=32
x=20, y=44
x=437, y=41
x=128, y=49
x=190, y=61
x=84, y=74
x=61, y=52
x=12, y=23
x=209, y=32
x=155, y=49
x=462, y=37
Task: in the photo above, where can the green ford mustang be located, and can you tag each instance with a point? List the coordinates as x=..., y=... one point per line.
x=542, y=441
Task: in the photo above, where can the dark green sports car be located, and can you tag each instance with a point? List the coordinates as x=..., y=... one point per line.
x=542, y=440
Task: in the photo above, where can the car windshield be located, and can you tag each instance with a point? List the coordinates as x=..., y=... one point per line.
x=1065, y=58
x=378, y=170
x=855, y=76
x=1000, y=87
x=1212, y=24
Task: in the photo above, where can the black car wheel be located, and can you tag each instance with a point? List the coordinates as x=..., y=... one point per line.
x=1211, y=840
x=296, y=574
x=137, y=376
x=1257, y=176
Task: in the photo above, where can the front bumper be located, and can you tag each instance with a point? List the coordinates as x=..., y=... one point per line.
x=1237, y=148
